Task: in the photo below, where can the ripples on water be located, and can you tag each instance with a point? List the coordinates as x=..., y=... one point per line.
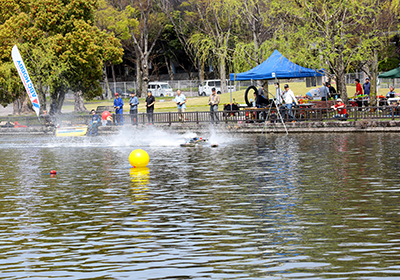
x=309, y=206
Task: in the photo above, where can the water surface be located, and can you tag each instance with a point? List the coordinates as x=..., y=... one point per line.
x=306, y=206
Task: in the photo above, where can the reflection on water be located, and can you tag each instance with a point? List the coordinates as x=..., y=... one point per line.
x=310, y=206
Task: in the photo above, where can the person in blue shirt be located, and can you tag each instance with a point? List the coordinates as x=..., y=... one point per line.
x=367, y=86
x=118, y=106
x=133, y=102
x=180, y=101
x=94, y=123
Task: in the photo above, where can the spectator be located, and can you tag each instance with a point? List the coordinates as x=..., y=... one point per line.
x=324, y=92
x=133, y=102
x=180, y=101
x=94, y=123
x=359, y=90
x=290, y=100
x=340, y=108
x=391, y=93
x=150, y=101
x=213, y=101
x=118, y=106
x=278, y=95
x=367, y=87
x=332, y=91
x=47, y=119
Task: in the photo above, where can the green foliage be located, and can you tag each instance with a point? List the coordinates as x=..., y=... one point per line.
x=58, y=43
x=112, y=20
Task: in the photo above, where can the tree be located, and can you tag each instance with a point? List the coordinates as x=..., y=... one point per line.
x=213, y=37
x=84, y=51
x=331, y=30
x=48, y=35
x=184, y=24
x=145, y=24
x=379, y=28
x=111, y=20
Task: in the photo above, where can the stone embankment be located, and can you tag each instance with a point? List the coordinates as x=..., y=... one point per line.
x=297, y=127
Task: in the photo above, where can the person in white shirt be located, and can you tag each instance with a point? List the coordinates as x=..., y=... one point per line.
x=180, y=101
x=290, y=100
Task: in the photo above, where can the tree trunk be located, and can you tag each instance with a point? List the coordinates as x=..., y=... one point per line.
x=42, y=98
x=168, y=63
x=17, y=107
x=145, y=75
x=108, y=93
x=22, y=106
x=256, y=47
x=78, y=104
x=60, y=102
x=113, y=73
x=138, y=79
x=222, y=74
x=201, y=71
x=57, y=100
x=374, y=78
x=341, y=79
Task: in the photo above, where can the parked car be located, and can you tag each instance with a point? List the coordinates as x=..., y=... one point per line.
x=121, y=92
x=160, y=89
x=206, y=87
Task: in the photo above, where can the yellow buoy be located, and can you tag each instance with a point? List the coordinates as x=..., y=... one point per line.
x=139, y=158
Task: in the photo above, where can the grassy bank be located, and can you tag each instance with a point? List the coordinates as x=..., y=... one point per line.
x=199, y=103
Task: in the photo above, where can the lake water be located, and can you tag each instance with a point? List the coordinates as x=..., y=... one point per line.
x=302, y=206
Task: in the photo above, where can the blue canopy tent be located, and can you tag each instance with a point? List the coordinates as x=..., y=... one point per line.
x=276, y=66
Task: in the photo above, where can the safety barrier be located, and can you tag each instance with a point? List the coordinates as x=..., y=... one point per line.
x=248, y=115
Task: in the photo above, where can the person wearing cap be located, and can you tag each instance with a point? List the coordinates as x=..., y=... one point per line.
x=391, y=93
x=150, y=101
x=94, y=123
x=213, y=101
x=180, y=101
x=133, y=102
x=290, y=100
x=118, y=106
x=367, y=87
x=340, y=108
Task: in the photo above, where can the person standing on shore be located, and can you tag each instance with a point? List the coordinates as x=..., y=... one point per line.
x=118, y=106
x=290, y=101
x=180, y=101
x=150, y=101
x=332, y=91
x=213, y=101
x=324, y=92
x=367, y=87
x=359, y=90
x=133, y=102
x=278, y=95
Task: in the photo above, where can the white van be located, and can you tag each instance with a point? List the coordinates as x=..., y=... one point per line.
x=206, y=87
x=160, y=89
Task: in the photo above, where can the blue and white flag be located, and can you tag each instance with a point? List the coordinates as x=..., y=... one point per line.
x=26, y=80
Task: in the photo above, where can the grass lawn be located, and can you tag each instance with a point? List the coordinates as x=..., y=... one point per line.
x=200, y=103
